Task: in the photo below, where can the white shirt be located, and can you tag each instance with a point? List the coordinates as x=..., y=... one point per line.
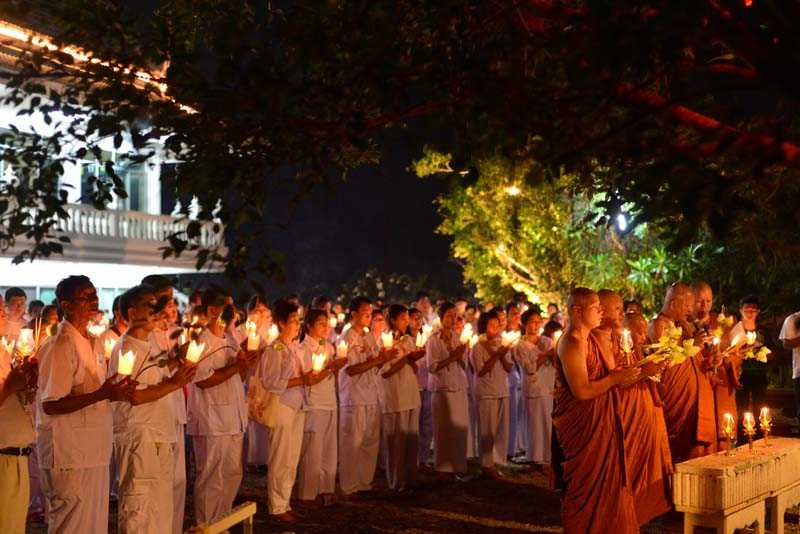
x=16, y=423
x=151, y=422
x=494, y=384
x=279, y=364
x=11, y=329
x=68, y=366
x=450, y=378
x=99, y=345
x=165, y=341
x=422, y=373
x=220, y=410
x=320, y=396
x=362, y=389
x=400, y=392
x=538, y=380
x=789, y=331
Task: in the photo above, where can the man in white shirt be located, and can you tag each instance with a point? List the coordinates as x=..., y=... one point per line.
x=144, y=431
x=73, y=426
x=16, y=437
x=217, y=414
x=790, y=337
x=16, y=300
x=163, y=336
x=359, y=412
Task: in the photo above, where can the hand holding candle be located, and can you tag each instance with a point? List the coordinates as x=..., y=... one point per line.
x=272, y=334
x=387, y=339
x=420, y=341
x=194, y=351
x=509, y=339
x=253, y=339
x=474, y=340
x=125, y=364
x=318, y=362
x=751, y=338
x=333, y=321
x=25, y=342
x=341, y=349
x=466, y=334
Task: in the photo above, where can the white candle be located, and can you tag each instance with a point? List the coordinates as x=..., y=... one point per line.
x=194, y=351
x=427, y=330
x=473, y=340
x=253, y=341
x=749, y=423
x=751, y=338
x=346, y=327
x=272, y=334
x=387, y=339
x=95, y=329
x=125, y=364
x=25, y=342
x=728, y=428
x=340, y=318
x=420, y=340
x=508, y=339
x=332, y=321
x=318, y=362
x=108, y=347
x=557, y=336
x=341, y=349
x=466, y=334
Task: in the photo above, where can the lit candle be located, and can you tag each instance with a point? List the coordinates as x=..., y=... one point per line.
x=272, y=334
x=420, y=340
x=253, y=341
x=346, y=327
x=627, y=345
x=95, y=329
x=25, y=342
x=318, y=362
x=437, y=323
x=387, y=340
x=341, y=349
x=194, y=351
x=557, y=336
x=340, y=318
x=474, y=340
x=716, y=341
x=427, y=330
x=108, y=347
x=332, y=321
x=751, y=338
x=508, y=339
x=729, y=424
x=541, y=330
x=748, y=422
x=182, y=340
x=764, y=415
x=125, y=364
x=466, y=334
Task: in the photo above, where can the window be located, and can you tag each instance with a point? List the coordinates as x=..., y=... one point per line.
x=133, y=176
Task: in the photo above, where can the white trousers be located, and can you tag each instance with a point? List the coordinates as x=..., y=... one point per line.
x=400, y=433
x=145, y=472
x=218, y=475
x=257, y=444
x=425, y=427
x=450, y=423
x=522, y=423
x=285, y=441
x=493, y=418
x=473, y=429
x=318, y=455
x=513, y=421
x=359, y=441
x=179, y=480
x=540, y=428
x=77, y=499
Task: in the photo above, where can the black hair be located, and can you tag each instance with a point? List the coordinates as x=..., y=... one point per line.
x=629, y=303
x=133, y=297
x=462, y=299
x=421, y=294
x=445, y=307
x=357, y=302
x=255, y=301
x=512, y=304
x=320, y=301
x=752, y=300
x=550, y=327
x=394, y=312
x=68, y=287
x=13, y=292
x=158, y=282
x=553, y=304
x=412, y=310
x=484, y=319
x=530, y=312
x=283, y=309
x=214, y=296
x=115, y=309
x=471, y=307
x=35, y=304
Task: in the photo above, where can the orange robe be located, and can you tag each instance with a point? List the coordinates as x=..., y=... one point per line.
x=647, y=453
x=597, y=497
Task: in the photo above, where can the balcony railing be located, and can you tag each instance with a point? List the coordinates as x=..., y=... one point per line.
x=85, y=221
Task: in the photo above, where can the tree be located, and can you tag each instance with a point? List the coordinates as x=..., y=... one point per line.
x=686, y=107
x=544, y=240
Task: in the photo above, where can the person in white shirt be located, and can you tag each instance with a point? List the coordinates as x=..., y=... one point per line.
x=400, y=402
x=258, y=312
x=217, y=414
x=16, y=437
x=492, y=365
x=445, y=360
x=319, y=452
x=359, y=412
x=516, y=417
x=165, y=336
x=415, y=323
x=423, y=304
x=534, y=355
x=790, y=337
x=145, y=430
x=73, y=416
x=281, y=373
x=16, y=300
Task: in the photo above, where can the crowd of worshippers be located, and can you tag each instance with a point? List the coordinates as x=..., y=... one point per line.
x=94, y=413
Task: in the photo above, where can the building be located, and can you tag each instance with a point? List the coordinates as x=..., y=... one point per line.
x=115, y=247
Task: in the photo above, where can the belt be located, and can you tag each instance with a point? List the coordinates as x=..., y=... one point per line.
x=16, y=451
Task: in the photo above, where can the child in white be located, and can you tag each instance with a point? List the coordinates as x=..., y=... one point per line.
x=217, y=416
x=73, y=417
x=448, y=381
x=532, y=353
x=144, y=431
x=425, y=415
x=491, y=363
x=319, y=453
x=400, y=404
x=281, y=373
x=359, y=412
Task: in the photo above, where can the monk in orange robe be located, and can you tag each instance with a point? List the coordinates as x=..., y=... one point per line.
x=723, y=373
x=647, y=455
x=685, y=389
x=598, y=496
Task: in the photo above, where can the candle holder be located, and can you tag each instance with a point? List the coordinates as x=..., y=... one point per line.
x=728, y=430
x=749, y=425
x=766, y=425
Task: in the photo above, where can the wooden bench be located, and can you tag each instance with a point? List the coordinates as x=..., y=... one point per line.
x=241, y=514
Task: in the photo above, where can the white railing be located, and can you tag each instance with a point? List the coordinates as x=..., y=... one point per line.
x=86, y=221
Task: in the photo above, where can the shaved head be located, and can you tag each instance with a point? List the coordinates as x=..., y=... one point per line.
x=583, y=306
x=613, y=308
x=703, y=299
x=580, y=296
x=678, y=302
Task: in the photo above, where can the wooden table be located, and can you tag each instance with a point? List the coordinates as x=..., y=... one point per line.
x=729, y=492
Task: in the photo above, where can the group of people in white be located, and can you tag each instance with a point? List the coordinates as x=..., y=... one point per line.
x=102, y=411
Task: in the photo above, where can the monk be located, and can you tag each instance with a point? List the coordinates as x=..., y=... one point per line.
x=598, y=496
x=647, y=455
x=723, y=373
x=685, y=388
